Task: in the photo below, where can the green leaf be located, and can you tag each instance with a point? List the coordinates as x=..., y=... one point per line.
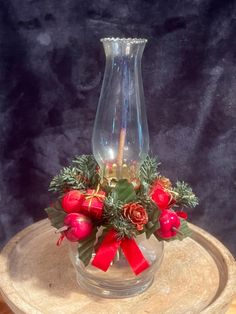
x=154, y=215
x=57, y=205
x=56, y=217
x=124, y=192
x=86, y=247
x=184, y=230
x=150, y=228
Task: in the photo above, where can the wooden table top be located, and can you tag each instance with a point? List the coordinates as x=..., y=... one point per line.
x=4, y=309
x=38, y=254
x=232, y=309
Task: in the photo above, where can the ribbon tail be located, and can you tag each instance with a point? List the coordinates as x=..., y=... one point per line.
x=134, y=255
x=107, y=251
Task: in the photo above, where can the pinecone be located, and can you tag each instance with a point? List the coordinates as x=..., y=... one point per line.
x=136, y=213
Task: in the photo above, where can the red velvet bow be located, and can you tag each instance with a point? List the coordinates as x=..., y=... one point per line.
x=109, y=247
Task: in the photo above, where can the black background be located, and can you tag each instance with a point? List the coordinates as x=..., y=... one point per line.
x=51, y=68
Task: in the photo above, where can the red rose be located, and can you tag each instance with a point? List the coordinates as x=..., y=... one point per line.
x=72, y=201
x=136, y=214
x=161, y=196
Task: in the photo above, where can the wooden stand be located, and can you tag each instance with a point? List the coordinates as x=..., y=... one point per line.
x=198, y=275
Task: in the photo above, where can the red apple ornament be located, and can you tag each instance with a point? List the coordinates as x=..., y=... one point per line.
x=169, y=223
x=79, y=227
x=72, y=201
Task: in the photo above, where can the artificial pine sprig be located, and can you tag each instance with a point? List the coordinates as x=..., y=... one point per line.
x=114, y=218
x=67, y=179
x=88, y=168
x=148, y=170
x=82, y=174
x=183, y=194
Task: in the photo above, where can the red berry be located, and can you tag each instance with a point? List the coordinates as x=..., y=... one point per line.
x=72, y=201
x=80, y=227
x=182, y=214
x=168, y=220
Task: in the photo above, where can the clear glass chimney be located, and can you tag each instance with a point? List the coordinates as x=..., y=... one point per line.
x=120, y=136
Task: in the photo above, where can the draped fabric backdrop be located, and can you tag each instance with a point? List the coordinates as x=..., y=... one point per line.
x=51, y=69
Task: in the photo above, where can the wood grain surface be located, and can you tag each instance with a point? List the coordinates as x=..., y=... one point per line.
x=198, y=275
x=232, y=309
x=4, y=308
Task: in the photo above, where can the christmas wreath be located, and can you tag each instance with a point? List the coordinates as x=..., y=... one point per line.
x=148, y=203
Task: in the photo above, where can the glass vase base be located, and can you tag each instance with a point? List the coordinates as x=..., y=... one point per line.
x=119, y=281
x=107, y=290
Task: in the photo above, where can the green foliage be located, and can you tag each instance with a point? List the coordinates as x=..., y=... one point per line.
x=148, y=170
x=150, y=206
x=86, y=247
x=184, y=229
x=83, y=173
x=67, y=179
x=153, y=214
x=184, y=195
x=114, y=218
x=88, y=168
x=56, y=217
x=124, y=192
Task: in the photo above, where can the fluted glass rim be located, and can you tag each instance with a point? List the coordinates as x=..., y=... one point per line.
x=124, y=40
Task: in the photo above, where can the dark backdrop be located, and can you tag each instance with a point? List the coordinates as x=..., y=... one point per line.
x=51, y=68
